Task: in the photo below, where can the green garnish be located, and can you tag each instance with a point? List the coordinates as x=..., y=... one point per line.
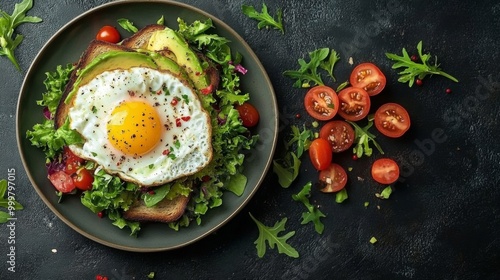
x=308, y=75
x=342, y=86
x=7, y=203
x=177, y=143
x=270, y=234
x=265, y=19
x=151, y=166
x=287, y=168
x=362, y=140
x=366, y=204
x=373, y=240
x=385, y=194
x=127, y=25
x=414, y=69
x=341, y=196
x=186, y=98
x=314, y=215
x=8, y=23
x=161, y=20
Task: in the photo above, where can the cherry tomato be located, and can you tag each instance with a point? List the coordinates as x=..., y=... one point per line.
x=392, y=120
x=354, y=103
x=333, y=179
x=248, y=114
x=321, y=103
x=109, y=34
x=62, y=181
x=320, y=152
x=72, y=161
x=368, y=77
x=83, y=179
x=340, y=134
x=385, y=171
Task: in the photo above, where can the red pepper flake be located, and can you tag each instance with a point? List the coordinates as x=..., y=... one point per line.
x=159, y=92
x=419, y=82
x=414, y=58
x=205, y=178
x=207, y=90
x=100, y=277
x=186, y=118
x=174, y=101
x=448, y=90
x=131, y=93
x=178, y=122
x=100, y=214
x=297, y=116
x=197, y=73
x=166, y=152
x=151, y=192
x=354, y=157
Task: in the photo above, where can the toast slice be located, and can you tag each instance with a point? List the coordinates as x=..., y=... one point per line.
x=165, y=211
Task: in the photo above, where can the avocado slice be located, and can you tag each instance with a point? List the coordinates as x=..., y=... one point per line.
x=185, y=56
x=111, y=60
x=168, y=64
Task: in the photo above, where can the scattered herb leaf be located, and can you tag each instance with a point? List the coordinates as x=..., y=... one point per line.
x=314, y=215
x=414, y=69
x=8, y=24
x=264, y=18
x=385, y=194
x=329, y=64
x=127, y=25
x=362, y=140
x=308, y=75
x=341, y=196
x=270, y=234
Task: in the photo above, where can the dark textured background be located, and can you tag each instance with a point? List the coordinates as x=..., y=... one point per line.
x=443, y=221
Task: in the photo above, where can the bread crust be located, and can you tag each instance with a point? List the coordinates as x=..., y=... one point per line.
x=164, y=212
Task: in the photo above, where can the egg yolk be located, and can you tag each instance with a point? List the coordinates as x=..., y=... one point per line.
x=134, y=128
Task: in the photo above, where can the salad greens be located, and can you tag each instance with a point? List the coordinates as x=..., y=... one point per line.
x=270, y=234
x=313, y=215
x=230, y=139
x=8, y=24
x=264, y=18
x=414, y=69
x=385, y=194
x=307, y=75
x=341, y=196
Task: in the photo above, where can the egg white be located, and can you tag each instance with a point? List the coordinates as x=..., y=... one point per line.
x=189, y=145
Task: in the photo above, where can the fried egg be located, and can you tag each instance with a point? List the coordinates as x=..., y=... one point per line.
x=144, y=125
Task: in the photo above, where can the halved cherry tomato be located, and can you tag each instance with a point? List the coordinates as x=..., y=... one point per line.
x=333, y=179
x=392, y=120
x=248, y=114
x=385, y=171
x=340, y=134
x=354, y=103
x=109, y=34
x=368, y=77
x=83, y=179
x=72, y=161
x=62, y=181
x=320, y=152
x=321, y=103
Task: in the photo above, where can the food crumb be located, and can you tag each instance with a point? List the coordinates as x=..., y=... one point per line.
x=54, y=251
x=351, y=61
x=373, y=240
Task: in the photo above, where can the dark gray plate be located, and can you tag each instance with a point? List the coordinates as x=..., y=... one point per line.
x=65, y=47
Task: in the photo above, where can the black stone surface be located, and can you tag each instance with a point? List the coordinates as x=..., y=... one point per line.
x=443, y=221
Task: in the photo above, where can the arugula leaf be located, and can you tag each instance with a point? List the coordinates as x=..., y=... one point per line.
x=127, y=25
x=413, y=69
x=270, y=234
x=308, y=71
x=329, y=64
x=287, y=168
x=236, y=184
x=264, y=18
x=8, y=24
x=4, y=202
x=362, y=140
x=314, y=215
x=341, y=196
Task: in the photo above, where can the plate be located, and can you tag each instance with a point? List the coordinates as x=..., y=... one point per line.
x=66, y=46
